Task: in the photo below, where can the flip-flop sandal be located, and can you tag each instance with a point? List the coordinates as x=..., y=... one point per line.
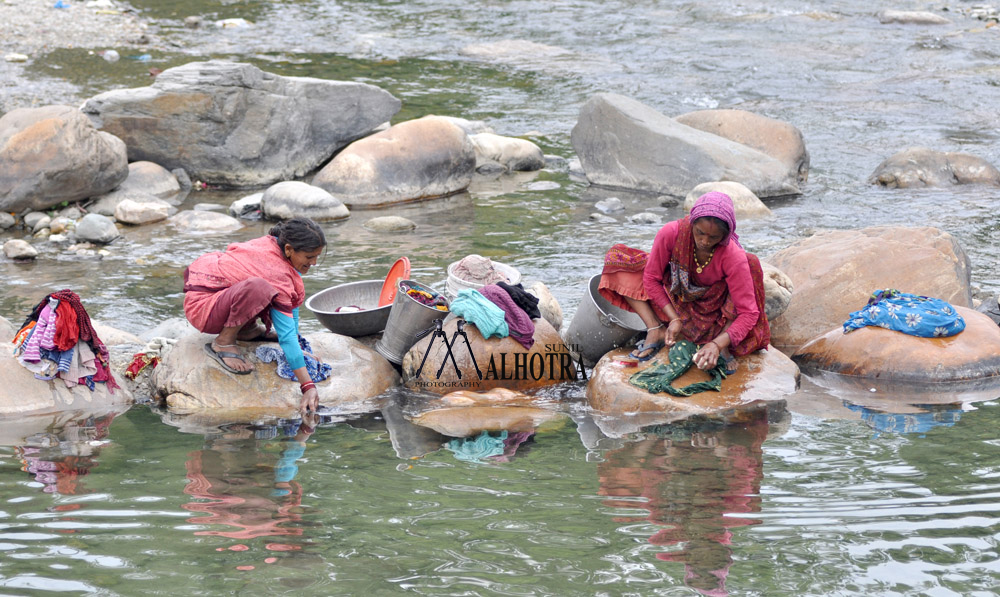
x=643, y=347
x=218, y=356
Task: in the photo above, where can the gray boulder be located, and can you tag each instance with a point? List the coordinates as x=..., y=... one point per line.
x=911, y=17
x=146, y=182
x=390, y=224
x=6, y=220
x=96, y=228
x=290, y=199
x=622, y=143
x=53, y=154
x=923, y=167
x=234, y=124
x=778, y=139
x=413, y=160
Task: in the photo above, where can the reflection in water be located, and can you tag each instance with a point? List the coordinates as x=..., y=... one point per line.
x=496, y=447
x=692, y=484
x=59, y=457
x=933, y=415
x=244, y=479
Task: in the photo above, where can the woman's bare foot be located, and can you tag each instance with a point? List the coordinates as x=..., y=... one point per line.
x=257, y=332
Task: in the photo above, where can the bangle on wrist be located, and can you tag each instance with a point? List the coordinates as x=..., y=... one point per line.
x=673, y=319
x=307, y=386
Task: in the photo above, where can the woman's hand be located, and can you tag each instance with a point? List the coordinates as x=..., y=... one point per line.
x=310, y=400
x=673, y=332
x=707, y=357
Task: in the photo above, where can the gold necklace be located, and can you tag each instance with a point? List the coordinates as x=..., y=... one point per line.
x=699, y=265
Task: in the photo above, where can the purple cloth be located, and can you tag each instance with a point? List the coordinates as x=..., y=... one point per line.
x=717, y=205
x=521, y=327
x=41, y=336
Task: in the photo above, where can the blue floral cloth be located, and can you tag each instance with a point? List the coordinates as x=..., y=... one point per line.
x=318, y=370
x=908, y=313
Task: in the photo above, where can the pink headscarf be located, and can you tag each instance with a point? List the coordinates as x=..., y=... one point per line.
x=717, y=205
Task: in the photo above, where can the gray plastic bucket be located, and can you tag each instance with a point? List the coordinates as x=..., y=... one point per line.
x=407, y=318
x=599, y=326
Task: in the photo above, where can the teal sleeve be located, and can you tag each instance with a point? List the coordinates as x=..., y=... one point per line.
x=288, y=336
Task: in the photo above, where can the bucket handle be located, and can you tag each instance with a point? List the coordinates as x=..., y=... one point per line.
x=608, y=320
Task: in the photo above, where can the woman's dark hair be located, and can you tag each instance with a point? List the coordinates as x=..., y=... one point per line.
x=302, y=234
x=722, y=223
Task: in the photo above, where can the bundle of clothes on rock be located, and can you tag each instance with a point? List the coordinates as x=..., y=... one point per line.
x=500, y=310
x=57, y=340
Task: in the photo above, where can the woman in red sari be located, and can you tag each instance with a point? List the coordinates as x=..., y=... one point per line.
x=697, y=283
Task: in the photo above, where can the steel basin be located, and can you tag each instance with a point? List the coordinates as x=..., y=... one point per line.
x=364, y=294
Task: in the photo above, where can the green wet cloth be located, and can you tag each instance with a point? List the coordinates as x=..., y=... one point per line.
x=480, y=312
x=478, y=449
x=658, y=378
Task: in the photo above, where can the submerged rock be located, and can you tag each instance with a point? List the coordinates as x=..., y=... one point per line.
x=465, y=413
x=917, y=167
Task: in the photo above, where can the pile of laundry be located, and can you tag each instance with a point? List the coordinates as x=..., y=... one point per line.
x=500, y=310
x=58, y=340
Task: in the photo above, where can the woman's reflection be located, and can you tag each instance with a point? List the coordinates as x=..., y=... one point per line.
x=61, y=456
x=244, y=479
x=693, y=484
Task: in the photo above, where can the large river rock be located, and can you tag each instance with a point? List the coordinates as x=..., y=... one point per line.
x=834, y=274
x=503, y=362
x=762, y=376
x=890, y=356
x=22, y=394
x=188, y=378
x=413, y=160
x=624, y=144
x=53, y=154
x=918, y=167
x=234, y=124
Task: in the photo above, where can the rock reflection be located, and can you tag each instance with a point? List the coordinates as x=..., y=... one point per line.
x=59, y=450
x=693, y=484
x=244, y=480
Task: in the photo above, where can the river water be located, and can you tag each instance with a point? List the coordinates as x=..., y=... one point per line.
x=841, y=496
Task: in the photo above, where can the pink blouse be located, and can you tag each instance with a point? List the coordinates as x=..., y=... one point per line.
x=729, y=262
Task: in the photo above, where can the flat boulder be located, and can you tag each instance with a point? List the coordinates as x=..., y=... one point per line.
x=780, y=140
x=835, y=272
x=54, y=154
x=622, y=143
x=766, y=375
x=189, y=379
x=503, y=362
x=911, y=17
x=138, y=213
x=518, y=155
x=465, y=413
x=291, y=199
x=918, y=167
x=414, y=160
x=889, y=356
x=233, y=124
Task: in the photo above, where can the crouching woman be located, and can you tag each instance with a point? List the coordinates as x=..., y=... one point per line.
x=253, y=291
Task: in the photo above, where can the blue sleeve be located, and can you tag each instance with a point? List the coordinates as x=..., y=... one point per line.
x=288, y=336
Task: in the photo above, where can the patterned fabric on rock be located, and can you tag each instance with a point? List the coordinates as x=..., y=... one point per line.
x=318, y=370
x=658, y=378
x=907, y=313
